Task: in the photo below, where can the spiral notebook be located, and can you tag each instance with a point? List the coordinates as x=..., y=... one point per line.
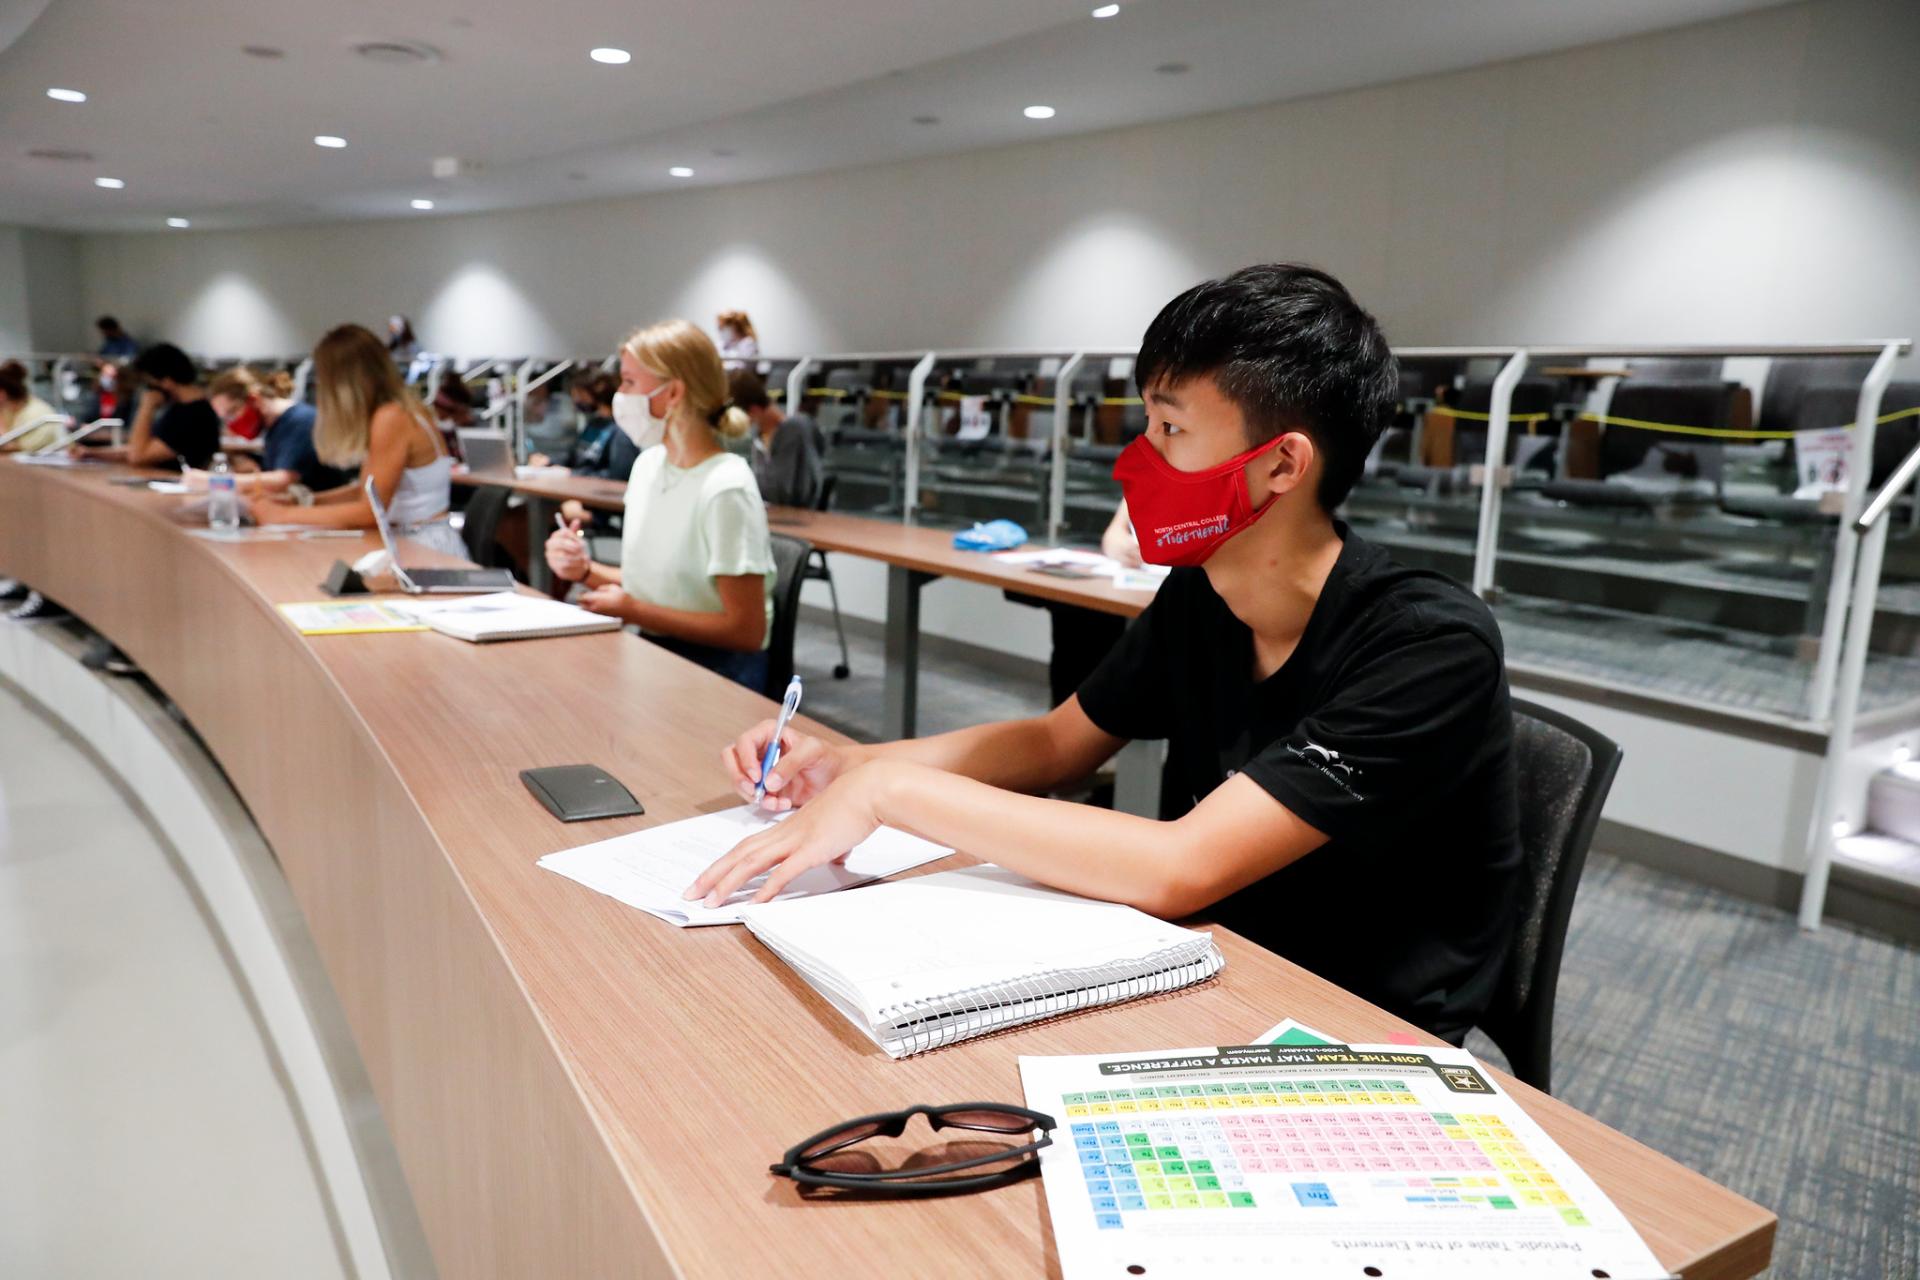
x=924, y=962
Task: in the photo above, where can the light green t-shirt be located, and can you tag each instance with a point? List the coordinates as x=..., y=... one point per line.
x=684, y=527
x=41, y=436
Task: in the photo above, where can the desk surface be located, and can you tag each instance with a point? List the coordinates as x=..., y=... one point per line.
x=901, y=545
x=574, y=1087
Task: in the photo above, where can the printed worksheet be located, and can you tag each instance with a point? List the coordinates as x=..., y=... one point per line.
x=1313, y=1161
x=650, y=869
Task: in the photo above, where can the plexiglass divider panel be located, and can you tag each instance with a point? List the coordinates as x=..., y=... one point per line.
x=986, y=438
x=1676, y=532
x=859, y=402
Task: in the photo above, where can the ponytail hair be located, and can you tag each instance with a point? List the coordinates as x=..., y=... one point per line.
x=681, y=352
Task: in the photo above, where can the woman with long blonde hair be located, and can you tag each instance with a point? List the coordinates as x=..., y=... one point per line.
x=696, y=561
x=369, y=419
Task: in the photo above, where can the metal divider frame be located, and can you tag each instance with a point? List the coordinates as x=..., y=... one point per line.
x=1057, y=464
x=1863, y=526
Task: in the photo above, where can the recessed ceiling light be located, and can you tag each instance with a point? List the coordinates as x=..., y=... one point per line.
x=1173, y=68
x=111, y=184
x=66, y=95
x=1039, y=113
x=1106, y=11
x=926, y=119
x=398, y=53
x=423, y=204
x=681, y=171
x=612, y=57
x=181, y=223
x=328, y=140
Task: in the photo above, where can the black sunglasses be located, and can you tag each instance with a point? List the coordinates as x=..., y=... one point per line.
x=807, y=1163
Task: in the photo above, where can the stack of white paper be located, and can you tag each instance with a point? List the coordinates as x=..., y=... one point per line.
x=651, y=869
x=939, y=958
x=505, y=615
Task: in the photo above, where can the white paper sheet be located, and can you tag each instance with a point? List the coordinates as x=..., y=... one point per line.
x=650, y=869
x=1314, y=1161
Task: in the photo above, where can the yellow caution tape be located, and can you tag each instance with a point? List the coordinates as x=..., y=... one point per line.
x=1675, y=428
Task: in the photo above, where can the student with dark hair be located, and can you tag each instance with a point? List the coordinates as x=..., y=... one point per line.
x=1339, y=781
x=786, y=449
x=115, y=343
x=175, y=424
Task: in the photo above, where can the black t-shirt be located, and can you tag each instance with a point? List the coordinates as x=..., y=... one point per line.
x=1389, y=729
x=191, y=429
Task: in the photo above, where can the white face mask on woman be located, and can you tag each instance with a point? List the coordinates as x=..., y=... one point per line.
x=634, y=415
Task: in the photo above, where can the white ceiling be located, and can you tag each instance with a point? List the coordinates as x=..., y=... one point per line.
x=196, y=128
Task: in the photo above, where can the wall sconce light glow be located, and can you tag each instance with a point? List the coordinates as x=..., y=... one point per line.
x=423, y=204
x=329, y=141
x=1106, y=11
x=681, y=171
x=66, y=95
x=111, y=184
x=612, y=57
x=180, y=224
x=1039, y=113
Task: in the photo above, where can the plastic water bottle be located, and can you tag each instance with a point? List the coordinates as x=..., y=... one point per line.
x=223, y=503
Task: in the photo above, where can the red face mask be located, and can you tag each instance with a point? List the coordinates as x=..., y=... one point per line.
x=1182, y=517
x=245, y=423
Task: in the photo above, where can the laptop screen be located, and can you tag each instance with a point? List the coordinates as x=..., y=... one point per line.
x=485, y=450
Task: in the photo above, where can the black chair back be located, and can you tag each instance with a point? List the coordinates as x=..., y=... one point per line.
x=1564, y=770
x=481, y=521
x=789, y=562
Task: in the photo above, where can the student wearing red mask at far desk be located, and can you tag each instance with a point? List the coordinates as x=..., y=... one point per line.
x=1339, y=783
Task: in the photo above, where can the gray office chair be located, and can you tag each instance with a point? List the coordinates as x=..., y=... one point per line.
x=481, y=520
x=1564, y=770
x=790, y=563
x=817, y=571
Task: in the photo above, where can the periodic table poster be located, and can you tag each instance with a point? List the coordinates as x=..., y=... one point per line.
x=1309, y=1161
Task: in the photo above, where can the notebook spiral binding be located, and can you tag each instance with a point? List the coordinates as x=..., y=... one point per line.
x=919, y=1025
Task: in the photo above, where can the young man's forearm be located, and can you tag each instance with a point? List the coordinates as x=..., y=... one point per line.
x=1015, y=755
x=1098, y=853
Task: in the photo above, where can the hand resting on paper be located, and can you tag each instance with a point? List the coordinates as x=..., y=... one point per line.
x=822, y=832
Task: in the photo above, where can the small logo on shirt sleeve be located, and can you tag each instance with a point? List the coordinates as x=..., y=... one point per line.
x=1330, y=763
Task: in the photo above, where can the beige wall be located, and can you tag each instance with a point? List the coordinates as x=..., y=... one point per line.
x=1756, y=178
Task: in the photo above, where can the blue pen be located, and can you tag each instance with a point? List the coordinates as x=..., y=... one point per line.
x=788, y=705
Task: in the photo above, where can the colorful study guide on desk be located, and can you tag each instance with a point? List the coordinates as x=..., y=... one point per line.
x=346, y=617
x=651, y=869
x=1313, y=1161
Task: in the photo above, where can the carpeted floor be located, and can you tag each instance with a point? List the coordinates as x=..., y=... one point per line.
x=1782, y=1065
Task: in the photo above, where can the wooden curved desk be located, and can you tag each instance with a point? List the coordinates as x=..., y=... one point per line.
x=574, y=1088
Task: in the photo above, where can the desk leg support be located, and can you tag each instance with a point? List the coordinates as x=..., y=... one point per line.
x=903, y=649
x=539, y=525
x=1136, y=778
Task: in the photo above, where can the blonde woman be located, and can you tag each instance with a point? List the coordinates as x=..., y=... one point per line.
x=739, y=344
x=23, y=411
x=370, y=420
x=696, y=563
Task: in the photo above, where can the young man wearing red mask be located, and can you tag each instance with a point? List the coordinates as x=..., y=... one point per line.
x=1339, y=782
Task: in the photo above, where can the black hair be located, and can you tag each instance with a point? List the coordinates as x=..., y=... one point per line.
x=106, y=323
x=748, y=389
x=164, y=360
x=1293, y=351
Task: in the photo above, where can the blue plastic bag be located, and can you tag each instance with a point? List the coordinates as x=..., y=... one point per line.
x=995, y=535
